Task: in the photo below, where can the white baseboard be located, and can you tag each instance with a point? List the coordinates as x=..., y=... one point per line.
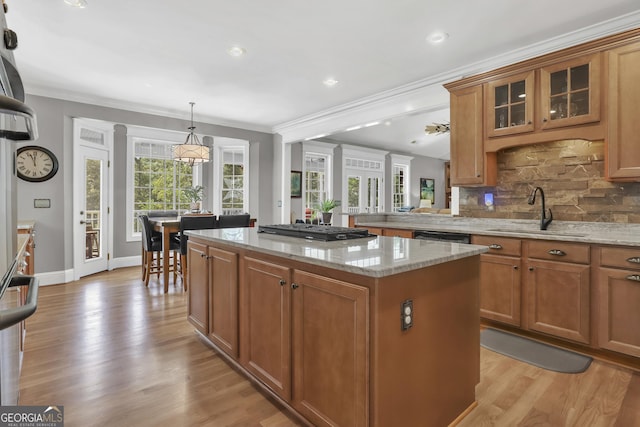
x=66, y=276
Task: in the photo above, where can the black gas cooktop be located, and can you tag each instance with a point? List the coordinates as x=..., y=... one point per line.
x=315, y=232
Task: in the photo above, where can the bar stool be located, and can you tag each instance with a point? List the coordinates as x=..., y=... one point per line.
x=150, y=246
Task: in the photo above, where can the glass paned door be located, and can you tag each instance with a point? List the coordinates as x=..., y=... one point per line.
x=93, y=207
x=364, y=193
x=510, y=108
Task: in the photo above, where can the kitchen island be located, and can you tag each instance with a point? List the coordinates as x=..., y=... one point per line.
x=375, y=331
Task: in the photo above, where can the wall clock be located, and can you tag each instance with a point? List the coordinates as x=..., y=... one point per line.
x=36, y=164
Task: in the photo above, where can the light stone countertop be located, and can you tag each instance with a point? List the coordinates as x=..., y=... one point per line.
x=371, y=256
x=604, y=233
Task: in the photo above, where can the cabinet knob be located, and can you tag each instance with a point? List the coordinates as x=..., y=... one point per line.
x=478, y=176
x=530, y=268
x=282, y=282
x=515, y=267
x=529, y=122
x=544, y=120
x=495, y=246
x=294, y=286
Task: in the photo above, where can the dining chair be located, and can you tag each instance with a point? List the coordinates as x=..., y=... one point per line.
x=191, y=223
x=232, y=221
x=152, y=250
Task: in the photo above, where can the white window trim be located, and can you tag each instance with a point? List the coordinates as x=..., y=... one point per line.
x=137, y=134
x=400, y=160
x=324, y=149
x=219, y=144
x=364, y=153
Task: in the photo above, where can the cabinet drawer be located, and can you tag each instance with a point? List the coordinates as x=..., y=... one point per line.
x=397, y=232
x=499, y=245
x=559, y=251
x=628, y=258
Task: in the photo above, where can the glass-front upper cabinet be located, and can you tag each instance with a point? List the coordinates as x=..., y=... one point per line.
x=510, y=105
x=570, y=92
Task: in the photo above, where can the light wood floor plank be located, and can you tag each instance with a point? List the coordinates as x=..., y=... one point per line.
x=115, y=353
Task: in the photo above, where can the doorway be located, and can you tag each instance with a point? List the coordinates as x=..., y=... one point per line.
x=92, y=196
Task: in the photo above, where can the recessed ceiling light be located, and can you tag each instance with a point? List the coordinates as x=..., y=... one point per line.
x=80, y=4
x=330, y=82
x=371, y=124
x=322, y=135
x=353, y=128
x=236, y=51
x=437, y=37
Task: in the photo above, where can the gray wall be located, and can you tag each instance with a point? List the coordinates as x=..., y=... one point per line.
x=54, y=228
x=427, y=167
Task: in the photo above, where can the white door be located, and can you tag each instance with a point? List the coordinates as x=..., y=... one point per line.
x=92, y=184
x=364, y=192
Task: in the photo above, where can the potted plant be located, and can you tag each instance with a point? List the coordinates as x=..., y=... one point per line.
x=326, y=207
x=195, y=195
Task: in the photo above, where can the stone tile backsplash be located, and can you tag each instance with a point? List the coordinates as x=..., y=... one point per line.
x=570, y=172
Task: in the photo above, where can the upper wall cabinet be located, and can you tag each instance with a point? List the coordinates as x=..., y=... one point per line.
x=623, y=148
x=509, y=105
x=570, y=92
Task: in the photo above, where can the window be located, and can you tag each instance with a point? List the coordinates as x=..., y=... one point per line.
x=154, y=180
x=317, y=173
x=233, y=180
x=400, y=181
x=231, y=176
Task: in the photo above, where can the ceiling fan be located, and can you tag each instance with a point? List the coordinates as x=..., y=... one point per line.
x=437, y=128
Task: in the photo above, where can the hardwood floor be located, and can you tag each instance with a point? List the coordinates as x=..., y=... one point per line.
x=115, y=353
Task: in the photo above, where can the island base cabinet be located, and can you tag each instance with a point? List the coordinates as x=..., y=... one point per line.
x=619, y=297
x=330, y=329
x=198, y=288
x=266, y=327
x=223, y=303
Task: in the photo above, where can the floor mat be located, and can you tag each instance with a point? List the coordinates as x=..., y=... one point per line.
x=532, y=352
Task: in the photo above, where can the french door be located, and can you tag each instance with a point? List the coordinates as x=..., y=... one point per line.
x=92, y=193
x=364, y=192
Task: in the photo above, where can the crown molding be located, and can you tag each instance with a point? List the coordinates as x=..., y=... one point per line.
x=139, y=108
x=428, y=94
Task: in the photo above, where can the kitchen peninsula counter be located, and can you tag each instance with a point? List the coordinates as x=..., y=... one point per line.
x=321, y=325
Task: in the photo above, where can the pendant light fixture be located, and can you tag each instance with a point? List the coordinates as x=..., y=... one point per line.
x=192, y=151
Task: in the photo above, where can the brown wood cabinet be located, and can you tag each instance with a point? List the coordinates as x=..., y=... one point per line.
x=510, y=104
x=223, y=299
x=466, y=140
x=397, y=232
x=570, y=92
x=330, y=350
x=500, y=279
x=619, y=299
x=623, y=156
x=198, y=287
x=266, y=324
x=558, y=287
x=213, y=294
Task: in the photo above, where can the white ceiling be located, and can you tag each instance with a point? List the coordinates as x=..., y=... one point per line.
x=156, y=56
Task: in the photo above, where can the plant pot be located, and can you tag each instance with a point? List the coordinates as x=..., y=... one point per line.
x=326, y=217
x=195, y=207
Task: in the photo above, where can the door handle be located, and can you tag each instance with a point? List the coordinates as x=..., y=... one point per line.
x=82, y=222
x=282, y=282
x=495, y=246
x=294, y=286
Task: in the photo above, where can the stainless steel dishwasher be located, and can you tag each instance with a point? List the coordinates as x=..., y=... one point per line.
x=442, y=236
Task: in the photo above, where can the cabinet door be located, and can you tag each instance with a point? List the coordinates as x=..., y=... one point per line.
x=619, y=301
x=467, y=153
x=330, y=350
x=570, y=92
x=500, y=288
x=558, y=299
x=623, y=154
x=223, y=304
x=510, y=105
x=266, y=324
x=198, y=288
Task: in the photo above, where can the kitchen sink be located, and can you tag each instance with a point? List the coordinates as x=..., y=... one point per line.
x=538, y=232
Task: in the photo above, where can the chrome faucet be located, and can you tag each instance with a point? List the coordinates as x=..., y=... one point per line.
x=544, y=221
